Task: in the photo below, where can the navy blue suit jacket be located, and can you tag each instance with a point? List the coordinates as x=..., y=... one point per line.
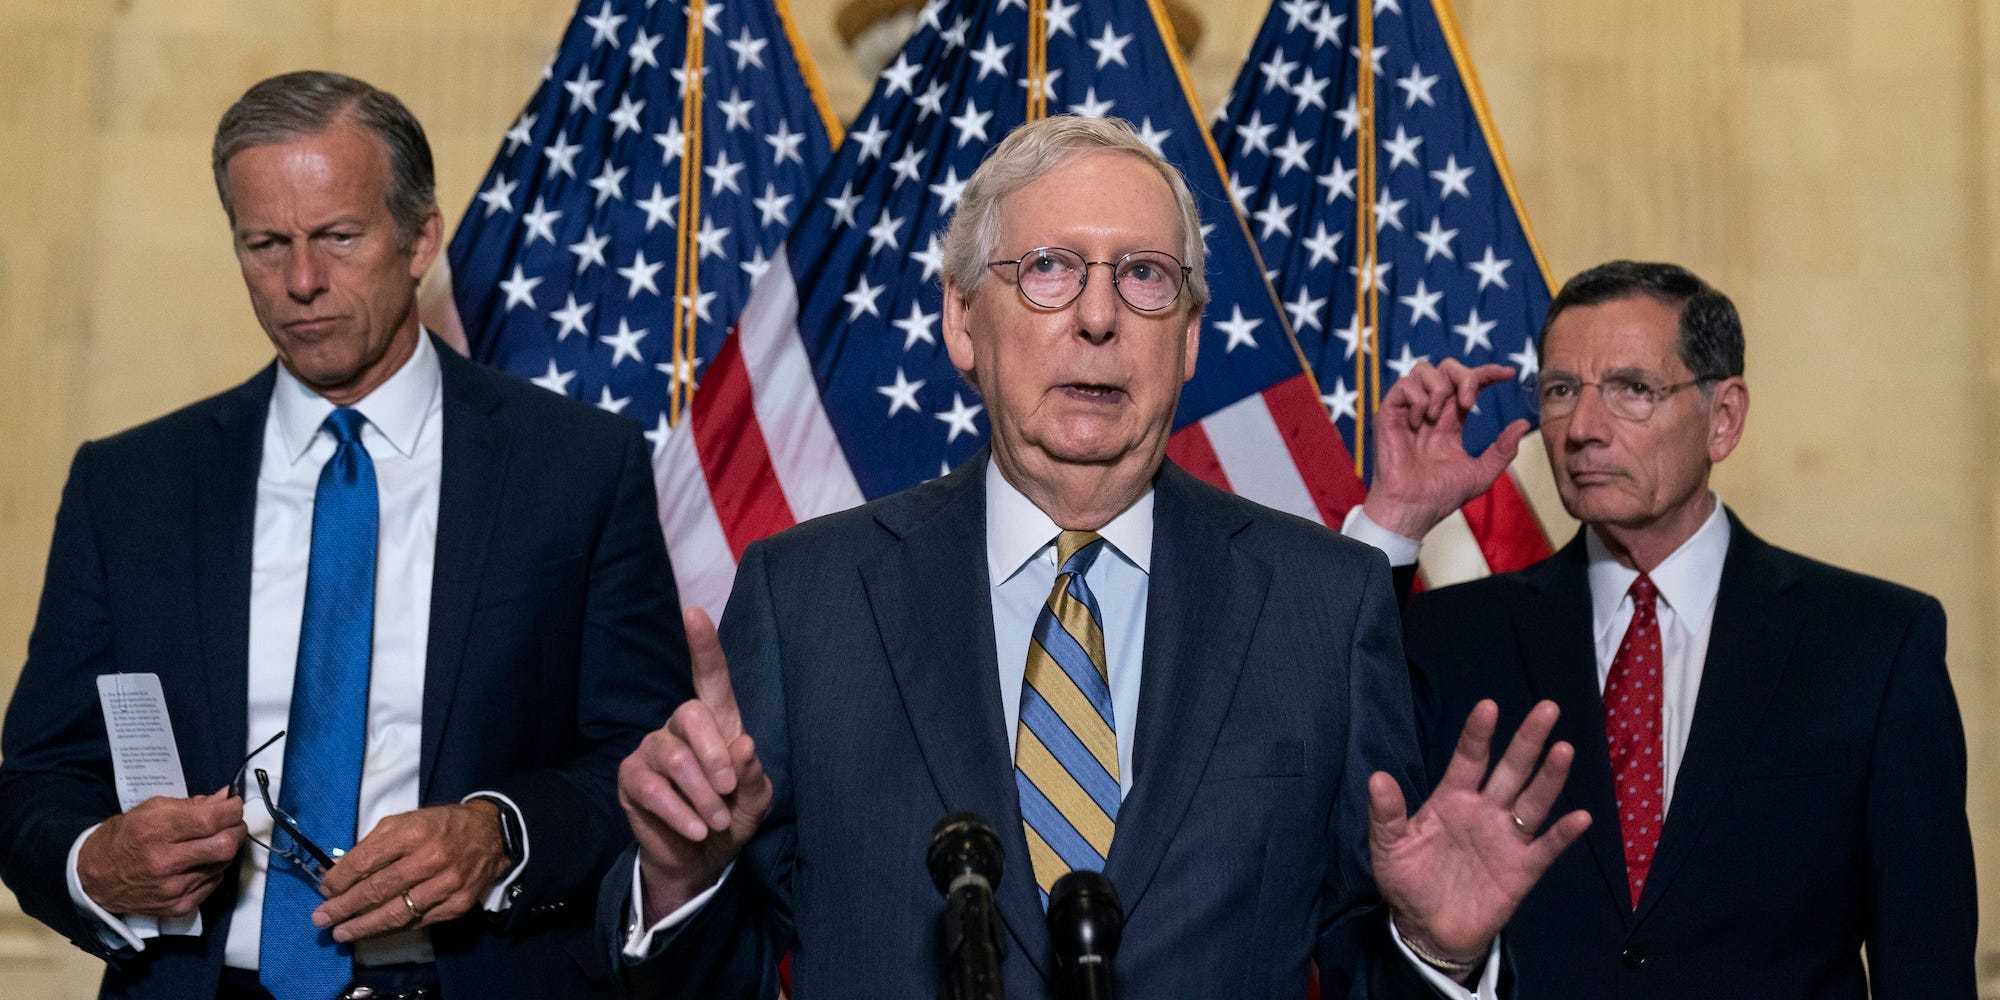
x=554, y=646
x=1820, y=806
x=862, y=653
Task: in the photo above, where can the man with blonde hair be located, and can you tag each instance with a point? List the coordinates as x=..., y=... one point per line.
x=1121, y=667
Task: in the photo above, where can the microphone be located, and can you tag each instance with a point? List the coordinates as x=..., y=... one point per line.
x=1085, y=923
x=964, y=861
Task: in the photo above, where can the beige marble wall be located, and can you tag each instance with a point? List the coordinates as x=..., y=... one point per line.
x=1834, y=164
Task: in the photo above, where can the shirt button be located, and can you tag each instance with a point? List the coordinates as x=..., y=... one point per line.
x=1633, y=957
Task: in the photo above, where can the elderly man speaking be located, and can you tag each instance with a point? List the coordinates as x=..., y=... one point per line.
x=1123, y=668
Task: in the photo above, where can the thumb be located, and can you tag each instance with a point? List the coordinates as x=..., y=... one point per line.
x=711, y=672
x=1387, y=813
x=1500, y=454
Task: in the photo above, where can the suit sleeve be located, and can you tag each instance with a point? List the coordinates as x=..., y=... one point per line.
x=1922, y=901
x=1357, y=957
x=55, y=766
x=731, y=947
x=632, y=669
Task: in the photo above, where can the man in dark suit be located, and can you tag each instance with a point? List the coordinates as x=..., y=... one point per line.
x=1769, y=745
x=447, y=587
x=1123, y=668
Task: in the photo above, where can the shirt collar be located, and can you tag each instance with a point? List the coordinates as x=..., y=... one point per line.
x=397, y=408
x=1687, y=580
x=1016, y=529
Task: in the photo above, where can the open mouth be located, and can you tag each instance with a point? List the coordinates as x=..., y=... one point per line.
x=1092, y=392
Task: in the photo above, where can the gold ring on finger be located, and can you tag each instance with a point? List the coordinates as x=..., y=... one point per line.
x=417, y=912
x=1527, y=830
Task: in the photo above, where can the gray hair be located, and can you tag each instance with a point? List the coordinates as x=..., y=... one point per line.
x=1711, y=332
x=1035, y=149
x=294, y=105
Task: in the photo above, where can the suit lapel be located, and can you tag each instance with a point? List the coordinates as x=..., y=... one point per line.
x=226, y=462
x=1560, y=659
x=1749, y=645
x=944, y=669
x=474, y=470
x=1194, y=654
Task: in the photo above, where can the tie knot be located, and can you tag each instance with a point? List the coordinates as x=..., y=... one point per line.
x=1076, y=550
x=345, y=423
x=1643, y=591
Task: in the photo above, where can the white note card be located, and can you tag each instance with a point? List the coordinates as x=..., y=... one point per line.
x=144, y=762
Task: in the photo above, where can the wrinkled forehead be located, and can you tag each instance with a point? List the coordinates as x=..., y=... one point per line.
x=1097, y=202
x=1635, y=334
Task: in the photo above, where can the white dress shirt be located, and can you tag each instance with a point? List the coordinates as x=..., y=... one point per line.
x=405, y=441
x=1021, y=570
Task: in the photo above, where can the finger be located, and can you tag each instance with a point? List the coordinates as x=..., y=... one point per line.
x=1517, y=763
x=711, y=671
x=1535, y=801
x=1555, y=840
x=694, y=736
x=701, y=787
x=1388, y=814
x=1501, y=452
x=1468, y=760
x=647, y=793
x=382, y=847
x=374, y=904
x=441, y=898
x=1475, y=381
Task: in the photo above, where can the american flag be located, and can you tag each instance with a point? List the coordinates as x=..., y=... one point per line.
x=1446, y=266
x=837, y=388
x=617, y=235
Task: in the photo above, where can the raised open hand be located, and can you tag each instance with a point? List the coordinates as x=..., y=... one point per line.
x=1454, y=872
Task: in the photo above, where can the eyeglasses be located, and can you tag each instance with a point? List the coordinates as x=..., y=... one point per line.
x=304, y=855
x=1052, y=277
x=1632, y=399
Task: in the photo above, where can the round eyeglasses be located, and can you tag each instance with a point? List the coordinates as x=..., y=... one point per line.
x=1052, y=277
x=1632, y=399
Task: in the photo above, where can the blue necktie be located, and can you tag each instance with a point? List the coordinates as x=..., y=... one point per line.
x=326, y=738
x=1066, y=745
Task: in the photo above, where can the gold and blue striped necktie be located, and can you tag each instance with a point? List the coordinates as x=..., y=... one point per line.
x=1066, y=745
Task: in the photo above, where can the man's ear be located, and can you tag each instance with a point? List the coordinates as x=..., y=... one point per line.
x=425, y=244
x=1193, y=336
x=1726, y=414
x=957, y=338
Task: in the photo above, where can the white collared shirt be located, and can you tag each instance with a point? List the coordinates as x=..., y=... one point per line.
x=1687, y=581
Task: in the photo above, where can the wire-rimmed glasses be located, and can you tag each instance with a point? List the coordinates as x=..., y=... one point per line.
x=1053, y=277
x=307, y=857
x=1629, y=398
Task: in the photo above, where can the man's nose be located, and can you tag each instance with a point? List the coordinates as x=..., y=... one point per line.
x=1097, y=306
x=305, y=273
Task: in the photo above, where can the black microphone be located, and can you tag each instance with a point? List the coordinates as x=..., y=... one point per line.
x=1085, y=923
x=964, y=859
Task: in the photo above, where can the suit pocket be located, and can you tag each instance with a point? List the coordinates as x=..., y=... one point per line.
x=1255, y=759
x=545, y=576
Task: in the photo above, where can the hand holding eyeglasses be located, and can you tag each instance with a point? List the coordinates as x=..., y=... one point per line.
x=164, y=857
x=415, y=868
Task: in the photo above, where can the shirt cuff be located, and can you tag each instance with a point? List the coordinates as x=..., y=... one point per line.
x=497, y=900
x=116, y=932
x=1400, y=550
x=641, y=946
x=1488, y=986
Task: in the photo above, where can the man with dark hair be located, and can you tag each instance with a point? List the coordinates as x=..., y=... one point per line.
x=318, y=554
x=1769, y=746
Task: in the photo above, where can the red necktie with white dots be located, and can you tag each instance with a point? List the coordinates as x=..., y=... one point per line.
x=1632, y=724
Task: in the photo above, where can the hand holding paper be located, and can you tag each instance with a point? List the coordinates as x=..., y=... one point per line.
x=164, y=856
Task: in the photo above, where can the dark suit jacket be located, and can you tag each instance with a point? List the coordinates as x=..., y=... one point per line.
x=1820, y=807
x=554, y=646
x=861, y=648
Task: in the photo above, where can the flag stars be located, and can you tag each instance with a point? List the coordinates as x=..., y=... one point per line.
x=948, y=190
x=869, y=140
x=1255, y=133
x=499, y=196
x=1240, y=330
x=1305, y=310
x=1293, y=153
x=1311, y=90
x=1091, y=107
x=709, y=238
x=959, y=418
x=520, y=289
x=862, y=299
x=1339, y=182
x=1403, y=362
x=902, y=75
x=1320, y=245
x=1340, y=402
x=1275, y=216
x=679, y=73
x=604, y=26
x=522, y=133
x=658, y=436
x=931, y=257
x=1355, y=336
x=1110, y=47
x=610, y=404
x=883, y=234
x=1277, y=71
x=1437, y=241
x=590, y=249
x=583, y=91
x=1417, y=87
x=571, y=317
x=1155, y=140
x=1058, y=18
x=1491, y=270
x=1349, y=116
x=1452, y=178
x=844, y=204
x=644, y=50
x=756, y=266
x=931, y=101
x=640, y=275
x=624, y=344
x=772, y=206
x=1476, y=332
x=736, y=110
x=626, y=117
x=609, y=183
x=902, y=393
x=917, y=326
x=562, y=155
x=1403, y=148
x=554, y=380
x=909, y=166
x=540, y=222
x=749, y=50
x=722, y=173
x=1326, y=27
x=1422, y=304
x=659, y=207
x=991, y=57
x=1389, y=211
x=1525, y=363
x=673, y=142
x=971, y=124
x=785, y=145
